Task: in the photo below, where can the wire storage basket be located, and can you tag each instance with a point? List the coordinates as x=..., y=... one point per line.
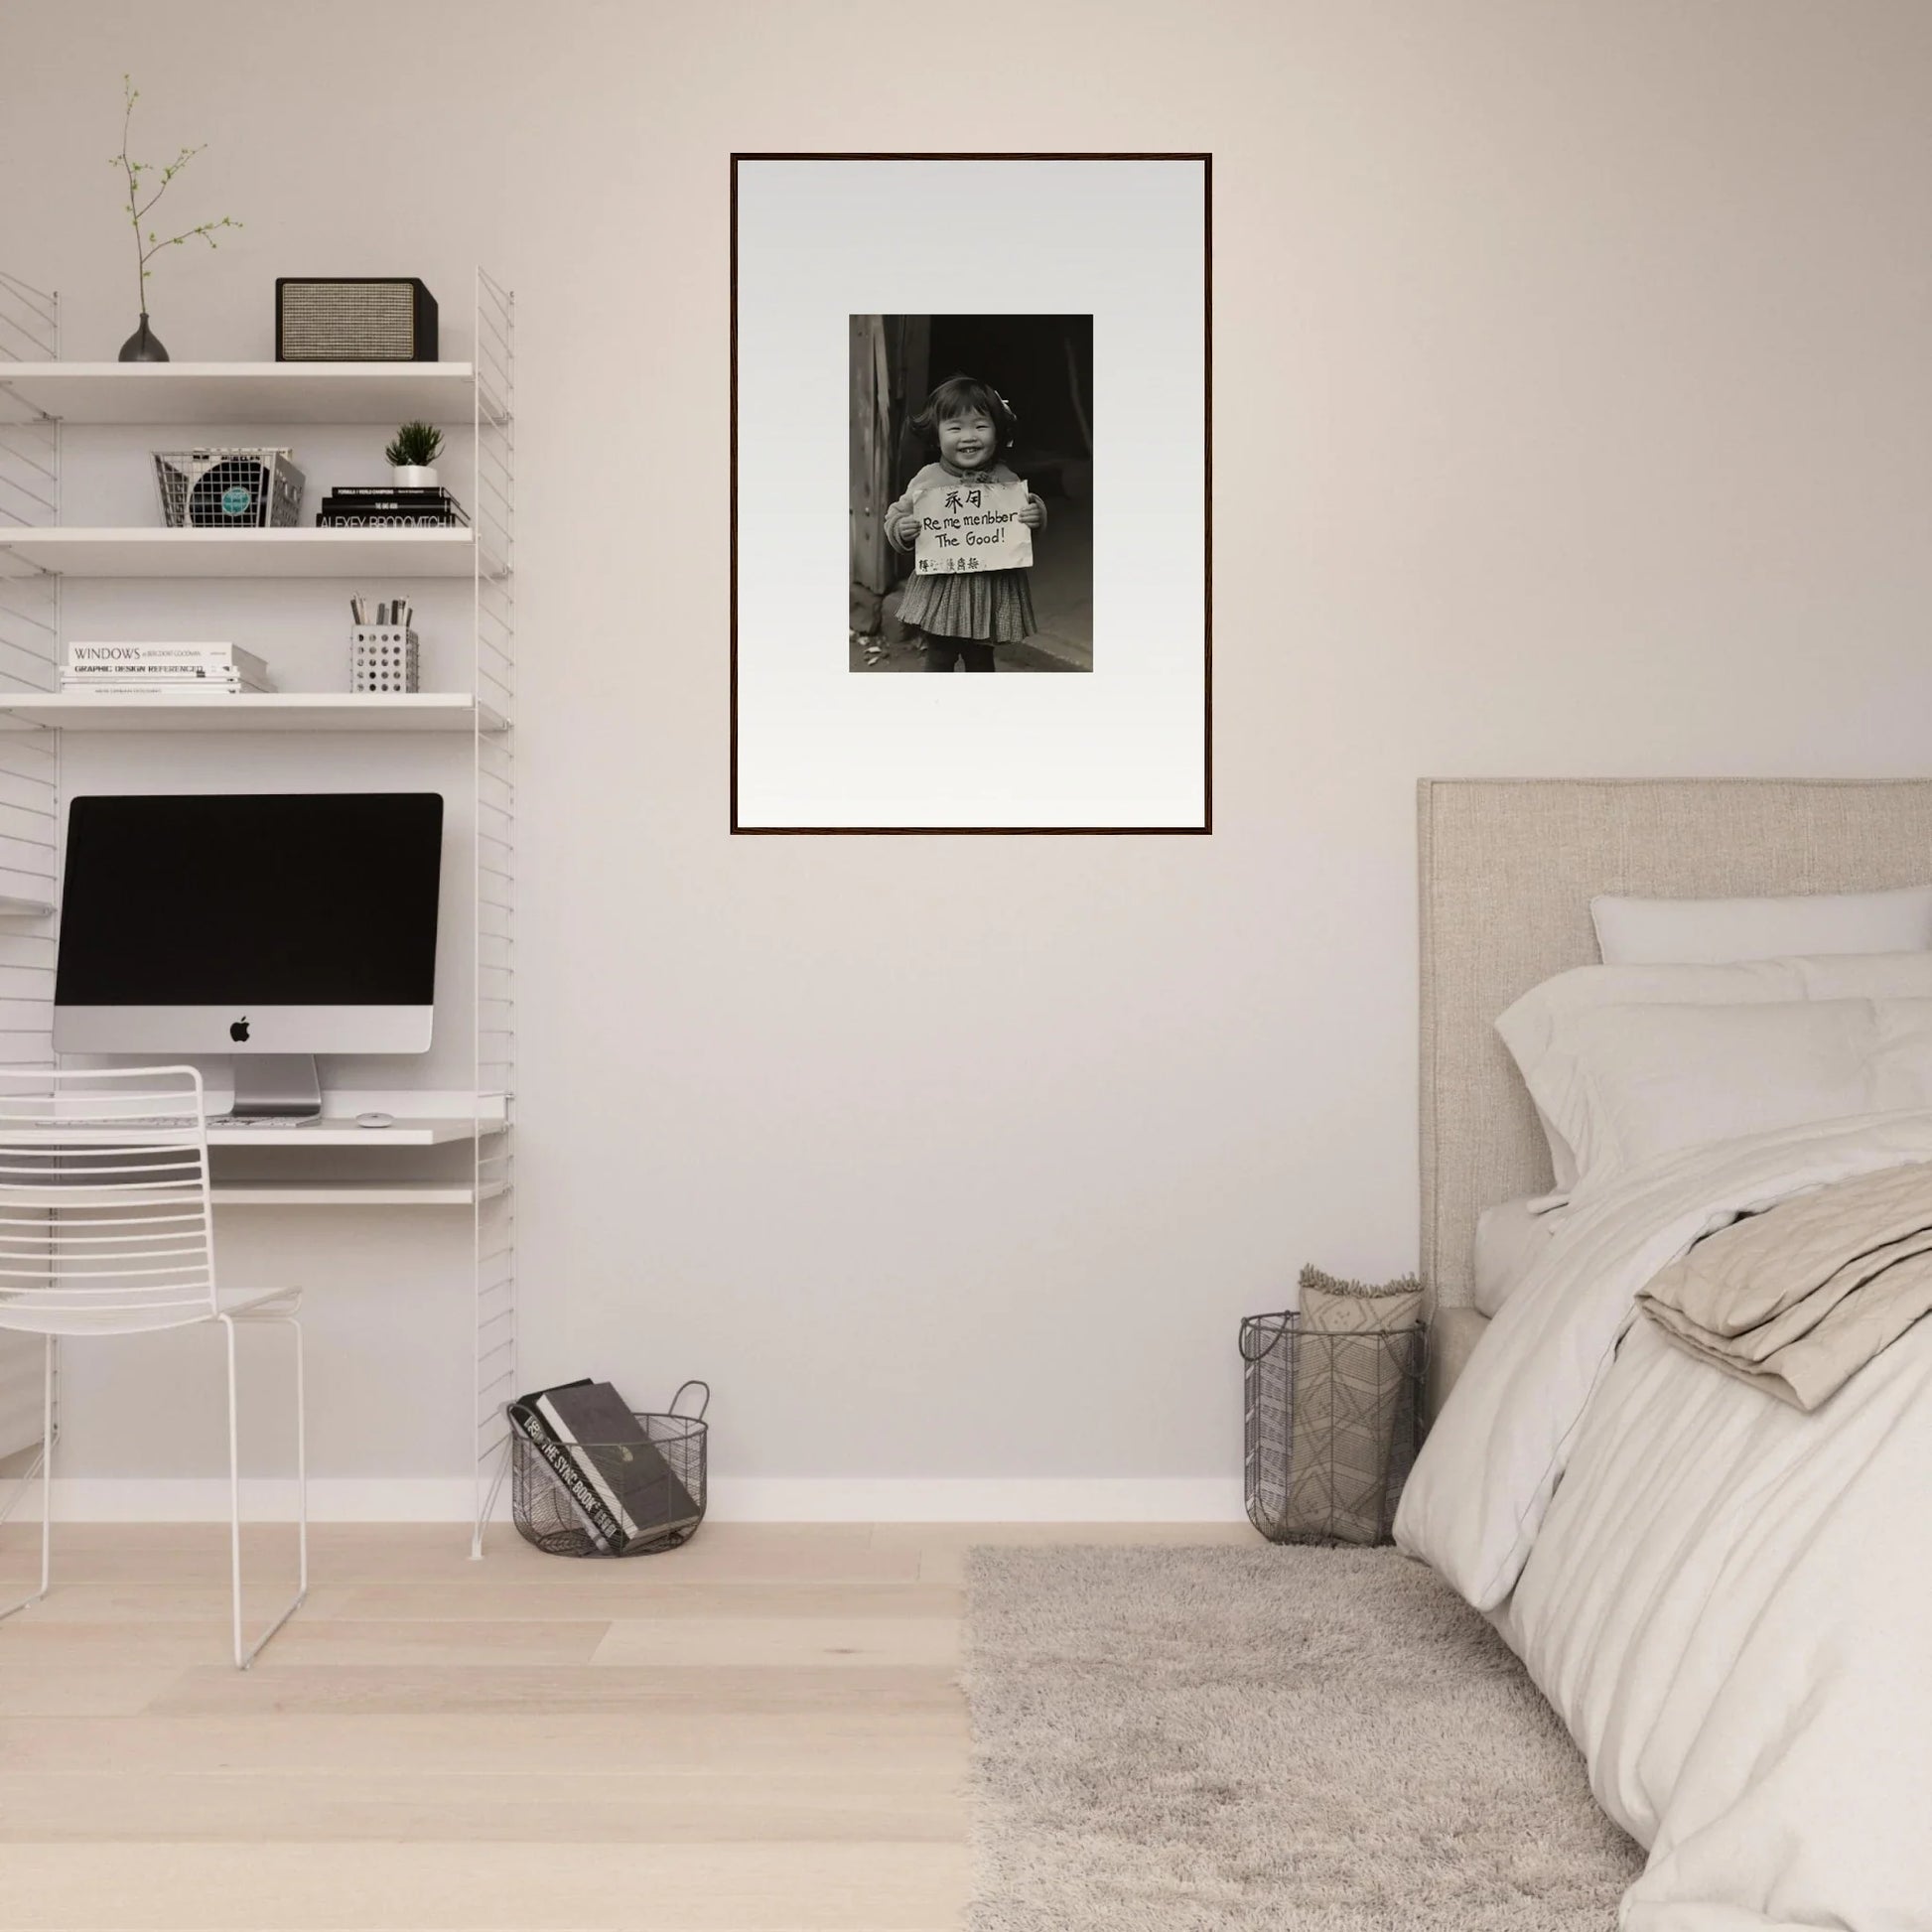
x=564, y=1501
x=1331, y=1430
x=227, y=490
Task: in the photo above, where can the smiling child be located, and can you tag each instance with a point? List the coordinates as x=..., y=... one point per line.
x=961, y=615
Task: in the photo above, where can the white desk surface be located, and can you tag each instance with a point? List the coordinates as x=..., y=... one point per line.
x=430, y=1131
x=327, y=1131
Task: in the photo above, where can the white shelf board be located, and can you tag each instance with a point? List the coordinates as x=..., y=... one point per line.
x=333, y=1132
x=349, y=1193
x=329, y=1131
x=245, y=393
x=274, y=711
x=301, y=552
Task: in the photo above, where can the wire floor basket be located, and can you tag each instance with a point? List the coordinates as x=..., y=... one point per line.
x=1332, y=1428
x=546, y=1513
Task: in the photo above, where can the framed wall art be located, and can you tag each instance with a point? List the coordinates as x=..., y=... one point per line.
x=970, y=434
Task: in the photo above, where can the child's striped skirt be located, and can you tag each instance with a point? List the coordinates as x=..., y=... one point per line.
x=991, y=606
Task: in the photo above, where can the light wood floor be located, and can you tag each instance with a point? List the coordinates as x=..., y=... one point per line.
x=761, y=1730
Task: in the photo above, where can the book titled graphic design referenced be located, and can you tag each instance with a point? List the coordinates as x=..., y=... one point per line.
x=128, y=666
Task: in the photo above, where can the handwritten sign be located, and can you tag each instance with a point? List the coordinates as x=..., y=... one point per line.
x=973, y=527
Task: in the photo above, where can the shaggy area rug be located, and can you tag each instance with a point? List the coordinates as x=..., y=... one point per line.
x=1212, y=1739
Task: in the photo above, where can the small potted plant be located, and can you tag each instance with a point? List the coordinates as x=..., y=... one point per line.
x=412, y=455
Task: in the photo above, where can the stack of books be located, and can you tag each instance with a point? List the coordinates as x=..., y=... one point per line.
x=203, y=669
x=385, y=506
x=626, y=1495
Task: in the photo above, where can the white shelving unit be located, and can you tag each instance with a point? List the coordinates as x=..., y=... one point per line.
x=40, y=394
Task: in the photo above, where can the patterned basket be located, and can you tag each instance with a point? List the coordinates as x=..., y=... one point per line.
x=1332, y=1427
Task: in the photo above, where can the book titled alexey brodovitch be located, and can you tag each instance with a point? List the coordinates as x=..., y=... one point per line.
x=377, y=507
x=616, y=1477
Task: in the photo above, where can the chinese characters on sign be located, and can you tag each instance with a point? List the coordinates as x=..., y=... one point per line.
x=973, y=527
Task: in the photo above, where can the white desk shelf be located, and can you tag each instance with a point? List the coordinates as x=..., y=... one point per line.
x=46, y=559
x=243, y=393
x=438, y=1131
x=139, y=552
x=353, y=1194
x=275, y=711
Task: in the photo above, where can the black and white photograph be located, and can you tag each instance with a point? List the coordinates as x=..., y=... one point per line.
x=920, y=460
x=972, y=493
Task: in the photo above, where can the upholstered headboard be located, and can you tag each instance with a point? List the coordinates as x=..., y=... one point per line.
x=1508, y=866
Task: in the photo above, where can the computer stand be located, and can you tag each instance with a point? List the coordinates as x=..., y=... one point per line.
x=276, y=1083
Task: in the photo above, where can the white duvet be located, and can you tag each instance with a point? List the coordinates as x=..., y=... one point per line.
x=1728, y=1602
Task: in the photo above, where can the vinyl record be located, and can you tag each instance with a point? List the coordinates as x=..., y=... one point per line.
x=233, y=492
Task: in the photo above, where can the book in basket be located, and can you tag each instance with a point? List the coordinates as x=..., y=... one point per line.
x=599, y=1523
x=614, y=1474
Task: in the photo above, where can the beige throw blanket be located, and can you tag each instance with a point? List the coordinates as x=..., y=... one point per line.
x=1798, y=1299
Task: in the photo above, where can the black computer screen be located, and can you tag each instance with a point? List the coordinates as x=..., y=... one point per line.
x=262, y=898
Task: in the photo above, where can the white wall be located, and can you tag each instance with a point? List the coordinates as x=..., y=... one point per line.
x=1572, y=377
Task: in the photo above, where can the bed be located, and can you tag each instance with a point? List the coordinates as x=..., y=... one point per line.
x=1724, y=1598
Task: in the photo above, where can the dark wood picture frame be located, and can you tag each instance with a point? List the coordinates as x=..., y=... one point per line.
x=1206, y=826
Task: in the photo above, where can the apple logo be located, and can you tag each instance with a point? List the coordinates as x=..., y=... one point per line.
x=240, y=1030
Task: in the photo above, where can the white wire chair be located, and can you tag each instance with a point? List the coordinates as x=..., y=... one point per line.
x=106, y=1229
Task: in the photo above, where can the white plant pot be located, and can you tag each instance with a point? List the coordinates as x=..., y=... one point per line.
x=413, y=475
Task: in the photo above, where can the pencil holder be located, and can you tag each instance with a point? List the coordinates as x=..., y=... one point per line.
x=382, y=657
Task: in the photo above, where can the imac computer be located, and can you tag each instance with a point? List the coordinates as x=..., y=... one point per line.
x=269, y=926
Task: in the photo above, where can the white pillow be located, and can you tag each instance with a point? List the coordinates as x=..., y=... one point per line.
x=1529, y=1026
x=1624, y=1084
x=1655, y=932
x=1510, y=1240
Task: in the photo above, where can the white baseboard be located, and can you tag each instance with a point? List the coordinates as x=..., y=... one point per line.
x=737, y=1499
x=972, y=1499
x=204, y=1499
